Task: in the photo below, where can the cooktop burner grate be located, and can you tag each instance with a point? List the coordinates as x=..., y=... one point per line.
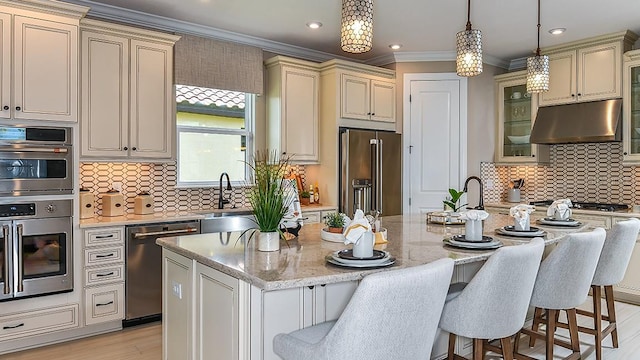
x=587, y=205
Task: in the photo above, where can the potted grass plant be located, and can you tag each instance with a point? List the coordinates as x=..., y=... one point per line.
x=269, y=197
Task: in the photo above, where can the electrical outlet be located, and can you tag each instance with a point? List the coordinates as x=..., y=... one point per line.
x=116, y=185
x=177, y=289
x=489, y=184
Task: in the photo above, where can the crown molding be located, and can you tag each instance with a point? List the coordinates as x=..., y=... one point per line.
x=518, y=64
x=425, y=56
x=138, y=18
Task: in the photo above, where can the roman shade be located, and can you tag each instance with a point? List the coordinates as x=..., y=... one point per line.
x=218, y=64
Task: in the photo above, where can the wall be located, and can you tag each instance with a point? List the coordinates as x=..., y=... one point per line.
x=159, y=180
x=590, y=172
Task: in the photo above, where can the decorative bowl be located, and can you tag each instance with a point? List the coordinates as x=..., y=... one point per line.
x=519, y=139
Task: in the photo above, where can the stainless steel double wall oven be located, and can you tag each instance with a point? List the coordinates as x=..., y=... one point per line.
x=36, y=244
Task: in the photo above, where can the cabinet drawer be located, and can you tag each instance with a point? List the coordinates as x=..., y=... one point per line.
x=104, y=303
x=104, y=236
x=311, y=217
x=103, y=255
x=103, y=275
x=38, y=322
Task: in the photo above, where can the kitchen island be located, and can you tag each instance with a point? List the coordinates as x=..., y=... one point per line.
x=224, y=298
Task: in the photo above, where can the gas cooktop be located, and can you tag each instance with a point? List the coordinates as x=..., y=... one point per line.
x=587, y=205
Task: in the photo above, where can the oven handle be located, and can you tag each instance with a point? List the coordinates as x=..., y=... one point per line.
x=56, y=150
x=20, y=259
x=5, y=235
x=167, y=232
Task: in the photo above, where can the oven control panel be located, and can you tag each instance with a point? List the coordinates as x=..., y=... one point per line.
x=10, y=210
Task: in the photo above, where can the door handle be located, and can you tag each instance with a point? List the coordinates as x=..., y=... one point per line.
x=168, y=232
x=105, y=255
x=9, y=327
x=105, y=304
x=5, y=235
x=379, y=209
x=102, y=275
x=20, y=259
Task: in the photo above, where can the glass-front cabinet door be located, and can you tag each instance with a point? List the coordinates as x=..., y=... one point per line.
x=631, y=108
x=516, y=110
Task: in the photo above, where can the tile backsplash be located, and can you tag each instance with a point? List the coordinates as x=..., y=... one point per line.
x=583, y=172
x=159, y=180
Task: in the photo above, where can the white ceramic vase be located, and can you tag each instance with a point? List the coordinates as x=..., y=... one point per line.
x=268, y=241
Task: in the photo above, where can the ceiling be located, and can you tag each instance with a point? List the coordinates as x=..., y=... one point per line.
x=421, y=26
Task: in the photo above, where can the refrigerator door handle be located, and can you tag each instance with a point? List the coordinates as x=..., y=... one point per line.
x=375, y=186
x=379, y=188
x=6, y=275
x=20, y=259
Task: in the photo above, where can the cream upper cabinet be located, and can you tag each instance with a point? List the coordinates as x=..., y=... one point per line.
x=292, y=108
x=515, y=111
x=587, y=70
x=127, y=93
x=367, y=98
x=39, y=70
x=631, y=108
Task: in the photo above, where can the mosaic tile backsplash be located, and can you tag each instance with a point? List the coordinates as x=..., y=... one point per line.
x=159, y=180
x=591, y=172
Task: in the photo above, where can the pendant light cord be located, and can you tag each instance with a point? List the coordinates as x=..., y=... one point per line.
x=469, y=15
x=538, y=49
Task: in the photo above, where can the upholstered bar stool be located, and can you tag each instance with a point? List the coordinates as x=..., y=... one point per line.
x=562, y=284
x=611, y=268
x=495, y=302
x=392, y=315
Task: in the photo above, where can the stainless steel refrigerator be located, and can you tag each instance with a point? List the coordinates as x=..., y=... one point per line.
x=370, y=173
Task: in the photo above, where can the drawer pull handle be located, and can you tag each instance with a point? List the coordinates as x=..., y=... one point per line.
x=105, y=255
x=104, y=236
x=105, y=304
x=107, y=274
x=12, y=327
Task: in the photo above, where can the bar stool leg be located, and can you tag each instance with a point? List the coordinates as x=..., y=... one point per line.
x=507, y=349
x=478, y=350
x=452, y=346
x=537, y=318
x=597, y=318
x=573, y=331
x=611, y=309
x=551, y=330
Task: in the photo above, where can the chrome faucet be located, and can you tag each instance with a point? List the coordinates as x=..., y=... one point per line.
x=465, y=189
x=221, y=199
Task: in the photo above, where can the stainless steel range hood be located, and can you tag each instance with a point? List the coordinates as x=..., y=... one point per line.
x=596, y=121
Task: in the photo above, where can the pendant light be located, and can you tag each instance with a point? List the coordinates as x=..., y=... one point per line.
x=356, y=30
x=469, y=49
x=538, y=68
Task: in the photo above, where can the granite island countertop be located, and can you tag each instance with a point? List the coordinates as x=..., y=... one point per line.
x=301, y=262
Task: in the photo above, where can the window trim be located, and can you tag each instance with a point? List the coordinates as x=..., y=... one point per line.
x=248, y=132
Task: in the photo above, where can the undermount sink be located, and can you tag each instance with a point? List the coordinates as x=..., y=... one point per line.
x=225, y=220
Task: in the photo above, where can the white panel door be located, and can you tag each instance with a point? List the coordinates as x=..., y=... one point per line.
x=300, y=113
x=355, y=97
x=152, y=113
x=383, y=98
x=105, y=96
x=562, y=79
x=5, y=66
x=45, y=70
x=599, y=72
x=435, y=134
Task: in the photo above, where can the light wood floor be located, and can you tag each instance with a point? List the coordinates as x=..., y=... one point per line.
x=145, y=343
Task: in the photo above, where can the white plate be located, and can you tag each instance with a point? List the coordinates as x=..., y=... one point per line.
x=390, y=261
x=475, y=246
x=503, y=231
x=337, y=258
x=551, y=221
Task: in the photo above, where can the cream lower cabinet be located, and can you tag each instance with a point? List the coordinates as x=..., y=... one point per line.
x=104, y=274
x=628, y=289
x=128, y=97
x=36, y=322
x=313, y=217
x=292, y=108
x=39, y=62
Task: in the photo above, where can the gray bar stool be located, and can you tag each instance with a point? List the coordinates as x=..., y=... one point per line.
x=392, y=315
x=563, y=283
x=611, y=268
x=495, y=302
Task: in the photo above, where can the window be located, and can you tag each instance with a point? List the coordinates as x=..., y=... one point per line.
x=215, y=134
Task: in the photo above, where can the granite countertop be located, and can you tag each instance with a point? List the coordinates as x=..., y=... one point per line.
x=302, y=263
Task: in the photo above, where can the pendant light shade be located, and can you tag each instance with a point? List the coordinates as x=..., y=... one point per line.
x=469, y=49
x=538, y=68
x=356, y=31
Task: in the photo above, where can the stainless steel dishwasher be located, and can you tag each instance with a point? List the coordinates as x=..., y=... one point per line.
x=143, y=281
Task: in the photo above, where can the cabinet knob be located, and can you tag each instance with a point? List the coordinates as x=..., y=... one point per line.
x=5, y=107
x=579, y=94
x=311, y=287
x=533, y=155
x=573, y=95
x=368, y=113
x=126, y=148
x=625, y=153
x=18, y=108
x=284, y=153
x=372, y=114
x=134, y=148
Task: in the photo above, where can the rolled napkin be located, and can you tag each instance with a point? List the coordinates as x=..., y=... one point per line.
x=358, y=226
x=560, y=209
x=473, y=224
x=520, y=215
x=474, y=215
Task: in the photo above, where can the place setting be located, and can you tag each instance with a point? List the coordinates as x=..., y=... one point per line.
x=473, y=239
x=559, y=214
x=521, y=223
x=362, y=254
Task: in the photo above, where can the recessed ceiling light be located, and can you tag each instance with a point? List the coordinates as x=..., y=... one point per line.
x=557, y=31
x=395, y=46
x=314, y=24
